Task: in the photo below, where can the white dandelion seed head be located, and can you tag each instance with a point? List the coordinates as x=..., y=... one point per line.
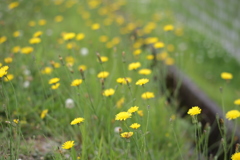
x=69, y=103
x=26, y=84
x=117, y=129
x=84, y=51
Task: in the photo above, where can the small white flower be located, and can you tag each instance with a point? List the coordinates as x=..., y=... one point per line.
x=26, y=72
x=84, y=51
x=26, y=84
x=69, y=103
x=117, y=129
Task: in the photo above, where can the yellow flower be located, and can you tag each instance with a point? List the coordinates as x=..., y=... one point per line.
x=68, y=36
x=58, y=18
x=68, y=145
x=140, y=113
x=142, y=81
x=16, y=34
x=42, y=22
x=194, y=111
x=108, y=92
x=3, y=71
x=120, y=102
x=16, y=49
x=47, y=70
x=56, y=64
x=135, y=125
x=103, y=74
x=103, y=38
x=8, y=77
x=145, y=71
x=16, y=121
x=133, y=109
x=151, y=40
x=126, y=134
x=162, y=56
x=233, y=114
x=137, y=52
x=44, y=113
x=104, y=59
x=76, y=82
x=80, y=36
x=159, y=45
x=95, y=26
x=13, y=5
x=237, y=102
x=55, y=86
x=168, y=27
x=134, y=66
x=34, y=40
x=150, y=57
x=236, y=156
x=226, y=75
x=70, y=60
x=27, y=50
x=8, y=60
x=170, y=48
x=53, y=80
x=124, y=80
x=83, y=67
x=37, y=34
x=122, y=116
x=31, y=23
x=77, y=120
x=147, y=95
x=169, y=61
x=3, y=39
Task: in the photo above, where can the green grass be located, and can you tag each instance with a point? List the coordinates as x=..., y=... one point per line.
x=162, y=131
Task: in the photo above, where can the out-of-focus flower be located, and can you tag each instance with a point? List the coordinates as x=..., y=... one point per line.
x=142, y=81
x=55, y=86
x=140, y=113
x=159, y=45
x=16, y=49
x=117, y=129
x=3, y=71
x=8, y=77
x=137, y=52
x=69, y=103
x=194, y=111
x=103, y=38
x=68, y=145
x=80, y=36
x=124, y=80
x=84, y=51
x=168, y=27
x=103, y=74
x=133, y=109
x=37, y=34
x=145, y=71
x=104, y=59
x=76, y=82
x=233, y=114
x=27, y=50
x=120, y=102
x=237, y=102
x=126, y=135
x=13, y=5
x=8, y=60
x=82, y=67
x=3, y=39
x=68, y=36
x=32, y=23
x=122, y=116
x=16, y=34
x=134, y=66
x=53, y=80
x=147, y=95
x=47, y=70
x=34, y=40
x=135, y=125
x=77, y=120
x=108, y=92
x=95, y=26
x=226, y=75
x=44, y=113
x=58, y=18
x=42, y=22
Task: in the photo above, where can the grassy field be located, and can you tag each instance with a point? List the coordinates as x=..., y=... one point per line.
x=84, y=72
